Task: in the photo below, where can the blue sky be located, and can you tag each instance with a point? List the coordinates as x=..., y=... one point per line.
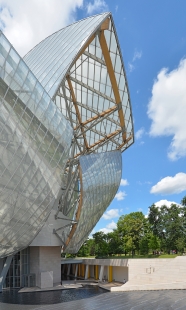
x=152, y=37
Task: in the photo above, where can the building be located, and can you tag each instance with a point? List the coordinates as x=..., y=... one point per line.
x=65, y=119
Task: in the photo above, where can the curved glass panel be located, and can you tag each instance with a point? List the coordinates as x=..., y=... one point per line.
x=101, y=176
x=50, y=59
x=35, y=139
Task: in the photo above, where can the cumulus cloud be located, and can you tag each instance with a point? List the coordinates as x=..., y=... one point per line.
x=124, y=182
x=139, y=133
x=120, y=195
x=170, y=185
x=110, y=214
x=167, y=109
x=109, y=228
x=165, y=202
x=26, y=23
x=96, y=6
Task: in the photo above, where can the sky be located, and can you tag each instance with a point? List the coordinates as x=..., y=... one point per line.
x=152, y=38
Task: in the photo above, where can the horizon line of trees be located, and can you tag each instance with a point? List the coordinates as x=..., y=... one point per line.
x=164, y=229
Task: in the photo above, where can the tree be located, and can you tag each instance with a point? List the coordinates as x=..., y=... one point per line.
x=183, y=201
x=101, y=246
x=154, y=242
x=131, y=228
x=114, y=242
x=168, y=224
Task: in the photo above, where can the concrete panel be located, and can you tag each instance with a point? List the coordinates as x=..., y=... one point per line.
x=120, y=273
x=46, y=279
x=44, y=259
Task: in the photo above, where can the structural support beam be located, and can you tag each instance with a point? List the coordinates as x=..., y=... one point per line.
x=88, y=108
x=113, y=81
x=126, y=141
x=104, y=113
x=101, y=273
x=105, y=24
x=86, y=271
x=94, y=57
x=77, y=110
x=84, y=48
x=5, y=271
x=78, y=210
x=92, y=89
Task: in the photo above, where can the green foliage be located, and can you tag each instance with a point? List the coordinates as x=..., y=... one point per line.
x=131, y=227
x=87, y=249
x=101, y=245
x=163, y=230
x=168, y=225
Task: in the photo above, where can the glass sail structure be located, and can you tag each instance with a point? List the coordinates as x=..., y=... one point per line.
x=65, y=119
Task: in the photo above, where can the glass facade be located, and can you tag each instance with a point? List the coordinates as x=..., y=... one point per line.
x=34, y=148
x=101, y=176
x=65, y=118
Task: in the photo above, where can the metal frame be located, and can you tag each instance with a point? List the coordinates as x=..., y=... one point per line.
x=81, y=128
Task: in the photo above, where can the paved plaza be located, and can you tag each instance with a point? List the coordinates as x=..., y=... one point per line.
x=151, y=300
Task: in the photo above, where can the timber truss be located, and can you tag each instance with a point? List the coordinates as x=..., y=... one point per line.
x=90, y=98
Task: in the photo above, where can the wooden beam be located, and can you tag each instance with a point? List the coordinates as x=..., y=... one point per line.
x=78, y=213
x=105, y=138
x=110, y=70
x=105, y=24
x=98, y=116
x=126, y=141
x=102, y=140
x=84, y=48
x=77, y=109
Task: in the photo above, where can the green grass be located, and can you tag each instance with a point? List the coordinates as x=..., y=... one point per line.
x=146, y=256
x=134, y=257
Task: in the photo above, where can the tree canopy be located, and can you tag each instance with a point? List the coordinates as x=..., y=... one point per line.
x=163, y=229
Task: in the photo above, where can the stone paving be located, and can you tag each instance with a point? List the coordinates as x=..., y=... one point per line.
x=151, y=300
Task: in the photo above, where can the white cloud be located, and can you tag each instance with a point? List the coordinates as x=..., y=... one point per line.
x=120, y=195
x=26, y=23
x=124, y=182
x=137, y=55
x=165, y=202
x=96, y=6
x=167, y=109
x=110, y=214
x=112, y=225
x=109, y=227
x=162, y=203
x=170, y=185
x=116, y=8
x=139, y=133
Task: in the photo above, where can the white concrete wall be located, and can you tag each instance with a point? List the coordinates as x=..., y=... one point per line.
x=120, y=273
x=43, y=259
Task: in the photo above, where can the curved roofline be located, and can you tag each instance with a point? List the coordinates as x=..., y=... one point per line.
x=126, y=81
x=108, y=13
x=79, y=52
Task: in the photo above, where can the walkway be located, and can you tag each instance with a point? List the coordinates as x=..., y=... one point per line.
x=151, y=300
